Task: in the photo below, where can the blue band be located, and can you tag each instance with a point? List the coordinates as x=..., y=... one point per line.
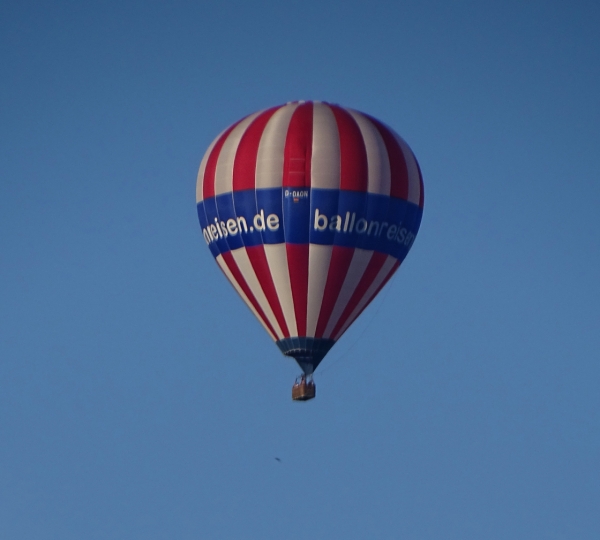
x=300, y=216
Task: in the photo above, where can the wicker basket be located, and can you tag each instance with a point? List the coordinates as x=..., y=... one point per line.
x=304, y=390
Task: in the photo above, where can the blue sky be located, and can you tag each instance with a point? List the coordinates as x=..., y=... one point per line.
x=140, y=399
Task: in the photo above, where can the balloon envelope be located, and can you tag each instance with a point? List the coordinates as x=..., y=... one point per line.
x=309, y=208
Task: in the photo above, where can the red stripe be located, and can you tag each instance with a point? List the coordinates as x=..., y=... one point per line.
x=237, y=275
x=386, y=279
x=422, y=191
x=296, y=173
x=244, y=165
x=354, y=171
x=373, y=268
x=297, y=255
x=259, y=262
x=341, y=257
x=298, y=148
x=398, y=168
x=208, y=182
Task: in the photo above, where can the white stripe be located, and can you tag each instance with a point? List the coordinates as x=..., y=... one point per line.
x=201, y=171
x=319, y=257
x=224, y=170
x=356, y=270
x=236, y=286
x=278, y=265
x=380, y=178
x=369, y=294
x=269, y=158
x=242, y=260
x=414, y=182
x=325, y=159
x=325, y=174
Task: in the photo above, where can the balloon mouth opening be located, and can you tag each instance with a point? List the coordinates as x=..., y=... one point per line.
x=308, y=365
x=308, y=352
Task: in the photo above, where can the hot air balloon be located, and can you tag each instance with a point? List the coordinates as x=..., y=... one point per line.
x=309, y=208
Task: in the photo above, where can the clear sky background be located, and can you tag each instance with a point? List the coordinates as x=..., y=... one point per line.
x=139, y=398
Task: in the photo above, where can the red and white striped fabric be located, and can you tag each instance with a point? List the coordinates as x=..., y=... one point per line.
x=309, y=208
